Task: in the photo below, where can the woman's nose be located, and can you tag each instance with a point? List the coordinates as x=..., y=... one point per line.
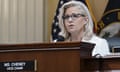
x=70, y=19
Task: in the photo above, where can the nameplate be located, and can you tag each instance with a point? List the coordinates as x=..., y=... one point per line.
x=18, y=66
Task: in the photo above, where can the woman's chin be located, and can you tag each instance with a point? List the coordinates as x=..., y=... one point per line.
x=72, y=31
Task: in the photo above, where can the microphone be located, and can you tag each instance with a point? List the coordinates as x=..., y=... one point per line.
x=59, y=38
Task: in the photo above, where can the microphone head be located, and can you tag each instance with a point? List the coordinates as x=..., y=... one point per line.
x=60, y=38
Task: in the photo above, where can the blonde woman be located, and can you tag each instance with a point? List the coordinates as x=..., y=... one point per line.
x=76, y=25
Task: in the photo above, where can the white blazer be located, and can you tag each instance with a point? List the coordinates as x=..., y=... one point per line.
x=101, y=46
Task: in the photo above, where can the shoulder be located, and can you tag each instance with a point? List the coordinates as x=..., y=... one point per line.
x=95, y=39
x=101, y=43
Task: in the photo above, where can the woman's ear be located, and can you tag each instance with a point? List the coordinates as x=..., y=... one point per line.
x=85, y=20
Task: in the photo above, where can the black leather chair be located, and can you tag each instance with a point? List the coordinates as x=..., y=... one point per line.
x=114, y=44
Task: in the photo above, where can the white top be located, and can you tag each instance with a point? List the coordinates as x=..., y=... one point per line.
x=101, y=46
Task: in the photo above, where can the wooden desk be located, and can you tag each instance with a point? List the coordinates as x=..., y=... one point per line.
x=50, y=57
x=107, y=64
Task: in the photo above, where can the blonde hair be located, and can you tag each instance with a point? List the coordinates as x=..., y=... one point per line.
x=88, y=27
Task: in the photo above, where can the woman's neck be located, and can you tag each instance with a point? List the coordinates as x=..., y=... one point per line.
x=76, y=36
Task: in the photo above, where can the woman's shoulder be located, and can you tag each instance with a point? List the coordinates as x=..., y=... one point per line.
x=99, y=39
x=96, y=39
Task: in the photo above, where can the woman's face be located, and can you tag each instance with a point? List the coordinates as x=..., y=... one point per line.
x=74, y=20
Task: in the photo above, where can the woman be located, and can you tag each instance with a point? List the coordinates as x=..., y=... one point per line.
x=76, y=25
